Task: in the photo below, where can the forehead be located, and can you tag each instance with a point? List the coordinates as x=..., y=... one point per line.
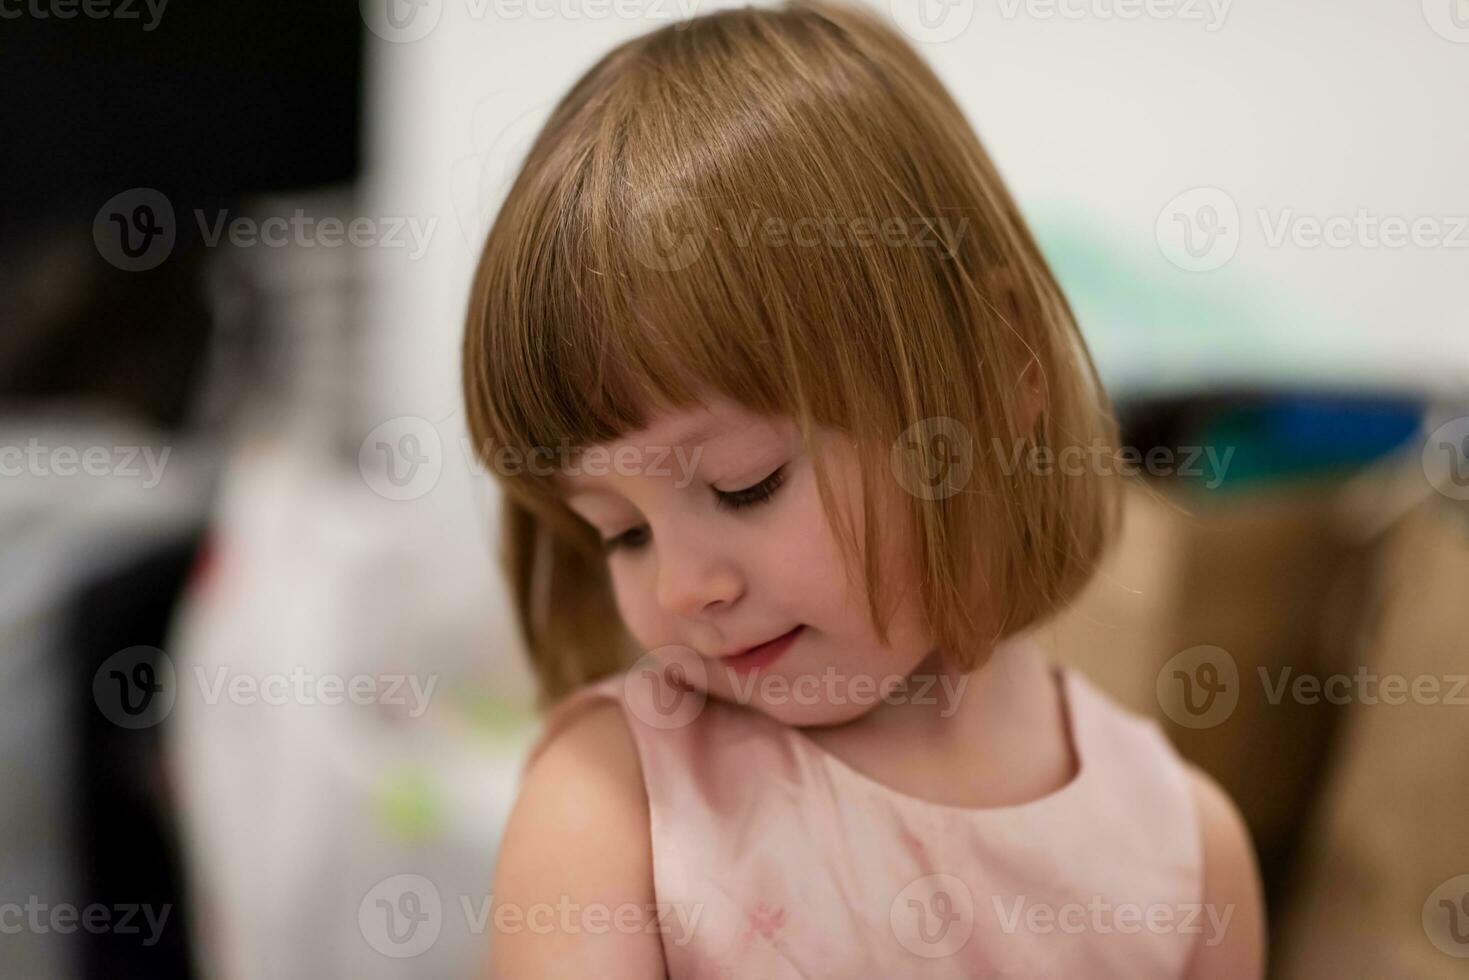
x=683, y=431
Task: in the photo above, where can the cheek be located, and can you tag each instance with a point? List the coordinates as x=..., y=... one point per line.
x=636, y=603
x=812, y=552
x=856, y=647
x=800, y=564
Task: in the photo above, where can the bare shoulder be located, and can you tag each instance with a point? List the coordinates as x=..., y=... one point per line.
x=573, y=891
x=1232, y=889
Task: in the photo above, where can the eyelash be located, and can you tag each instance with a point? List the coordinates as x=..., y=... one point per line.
x=750, y=496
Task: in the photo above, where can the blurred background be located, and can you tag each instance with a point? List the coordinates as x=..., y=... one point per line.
x=262, y=698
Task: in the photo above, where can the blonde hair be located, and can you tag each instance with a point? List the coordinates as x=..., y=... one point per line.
x=650, y=248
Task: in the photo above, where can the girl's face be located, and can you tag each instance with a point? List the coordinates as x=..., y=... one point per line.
x=717, y=543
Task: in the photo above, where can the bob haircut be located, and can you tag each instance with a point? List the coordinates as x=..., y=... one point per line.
x=786, y=207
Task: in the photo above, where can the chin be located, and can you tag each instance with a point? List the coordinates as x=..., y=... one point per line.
x=818, y=715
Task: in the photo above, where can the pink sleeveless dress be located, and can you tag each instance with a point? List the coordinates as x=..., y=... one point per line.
x=773, y=859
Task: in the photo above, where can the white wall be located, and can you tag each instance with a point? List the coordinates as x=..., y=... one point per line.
x=1097, y=117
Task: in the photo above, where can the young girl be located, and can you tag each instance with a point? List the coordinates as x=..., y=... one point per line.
x=759, y=349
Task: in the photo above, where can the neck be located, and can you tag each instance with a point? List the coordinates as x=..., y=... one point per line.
x=948, y=705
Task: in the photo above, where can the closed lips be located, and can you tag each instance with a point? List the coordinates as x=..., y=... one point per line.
x=744, y=651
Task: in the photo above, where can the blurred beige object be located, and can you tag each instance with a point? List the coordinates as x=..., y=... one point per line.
x=1273, y=581
x=1376, y=894
x=1269, y=578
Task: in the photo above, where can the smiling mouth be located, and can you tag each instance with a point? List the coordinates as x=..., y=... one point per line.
x=764, y=654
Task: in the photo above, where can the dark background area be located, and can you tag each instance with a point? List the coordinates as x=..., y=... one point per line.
x=216, y=103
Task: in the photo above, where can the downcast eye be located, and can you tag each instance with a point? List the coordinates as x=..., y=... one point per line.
x=637, y=537
x=630, y=540
x=748, y=497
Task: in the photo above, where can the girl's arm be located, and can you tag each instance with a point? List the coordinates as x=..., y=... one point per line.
x=1231, y=887
x=573, y=893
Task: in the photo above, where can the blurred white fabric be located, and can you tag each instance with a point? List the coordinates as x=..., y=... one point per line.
x=293, y=813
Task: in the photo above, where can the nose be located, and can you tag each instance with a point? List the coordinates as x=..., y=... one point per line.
x=696, y=575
